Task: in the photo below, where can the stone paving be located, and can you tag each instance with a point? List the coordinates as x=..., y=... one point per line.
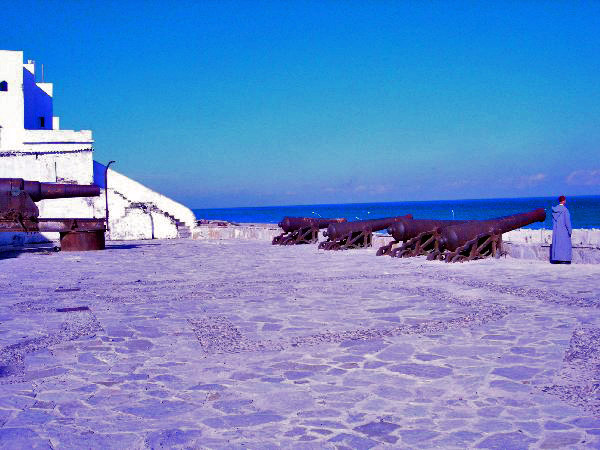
x=240, y=344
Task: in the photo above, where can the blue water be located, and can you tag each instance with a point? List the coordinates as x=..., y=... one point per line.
x=585, y=210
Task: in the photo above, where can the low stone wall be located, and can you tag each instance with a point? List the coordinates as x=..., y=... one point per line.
x=535, y=244
x=581, y=255
x=251, y=231
x=258, y=231
x=522, y=244
x=582, y=237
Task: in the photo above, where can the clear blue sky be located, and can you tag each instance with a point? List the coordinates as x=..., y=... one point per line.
x=221, y=103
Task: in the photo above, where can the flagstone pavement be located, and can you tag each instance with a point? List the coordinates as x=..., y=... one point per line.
x=240, y=344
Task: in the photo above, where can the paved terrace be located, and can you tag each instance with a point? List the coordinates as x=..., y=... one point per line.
x=231, y=344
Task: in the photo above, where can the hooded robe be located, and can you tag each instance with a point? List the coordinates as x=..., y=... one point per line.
x=561, y=234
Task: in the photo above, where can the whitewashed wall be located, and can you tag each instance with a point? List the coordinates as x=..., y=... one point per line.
x=138, y=212
x=58, y=166
x=11, y=101
x=579, y=237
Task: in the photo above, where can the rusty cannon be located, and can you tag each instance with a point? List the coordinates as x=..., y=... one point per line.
x=19, y=213
x=419, y=237
x=302, y=230
x=479, y=239
x=357, y=234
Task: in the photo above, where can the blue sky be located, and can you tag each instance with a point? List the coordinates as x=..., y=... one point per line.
x=221, y=103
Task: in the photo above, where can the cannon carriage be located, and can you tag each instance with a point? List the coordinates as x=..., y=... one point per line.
x=417, y=235
x=454, y=240
x=357, y=234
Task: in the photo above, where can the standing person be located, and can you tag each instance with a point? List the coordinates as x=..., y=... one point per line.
x=561, y=233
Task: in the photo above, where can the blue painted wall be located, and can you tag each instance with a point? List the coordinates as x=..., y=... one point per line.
x=37, y=104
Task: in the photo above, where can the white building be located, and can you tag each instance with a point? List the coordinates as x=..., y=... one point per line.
x=30, y=135
x=33, y=147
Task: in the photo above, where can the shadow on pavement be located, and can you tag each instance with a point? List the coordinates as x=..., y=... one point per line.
x=122, y=246
x=51, y=248
x=15, y=252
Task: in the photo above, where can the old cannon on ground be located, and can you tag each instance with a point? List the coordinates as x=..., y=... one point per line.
x=302, y=230
x=480, y=238
x=417, y=235
x=19, y=213
x=357, y=234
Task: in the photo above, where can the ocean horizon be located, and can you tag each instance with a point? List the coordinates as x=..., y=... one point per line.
x=584, y=209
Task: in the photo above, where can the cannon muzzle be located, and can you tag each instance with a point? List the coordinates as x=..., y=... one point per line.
x=289, y=224
x=455, y=236
x=41, y=191
x=301, y=230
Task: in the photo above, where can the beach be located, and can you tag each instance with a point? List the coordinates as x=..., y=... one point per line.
x=237, y=343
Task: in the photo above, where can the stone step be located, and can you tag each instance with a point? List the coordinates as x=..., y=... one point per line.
x=183, y=231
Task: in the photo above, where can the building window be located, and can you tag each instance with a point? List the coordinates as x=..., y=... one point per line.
x=42, y=122
x=3, y=86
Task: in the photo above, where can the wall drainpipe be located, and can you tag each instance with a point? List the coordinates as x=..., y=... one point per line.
x=106, y=191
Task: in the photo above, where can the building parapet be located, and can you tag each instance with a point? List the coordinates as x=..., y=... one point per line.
x=9, y=153
x=37, y=137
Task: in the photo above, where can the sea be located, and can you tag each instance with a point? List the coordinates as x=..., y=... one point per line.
x=585, y=210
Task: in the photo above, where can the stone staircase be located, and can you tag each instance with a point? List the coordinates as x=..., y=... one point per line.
x=183, y=230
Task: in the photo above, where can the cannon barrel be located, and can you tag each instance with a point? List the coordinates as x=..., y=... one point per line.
x=289, y=224
x=454, y=236
x=406, y=229
x=40, y=191
x=338, y=230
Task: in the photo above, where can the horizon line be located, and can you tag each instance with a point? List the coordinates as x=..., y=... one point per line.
x=396, y=202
